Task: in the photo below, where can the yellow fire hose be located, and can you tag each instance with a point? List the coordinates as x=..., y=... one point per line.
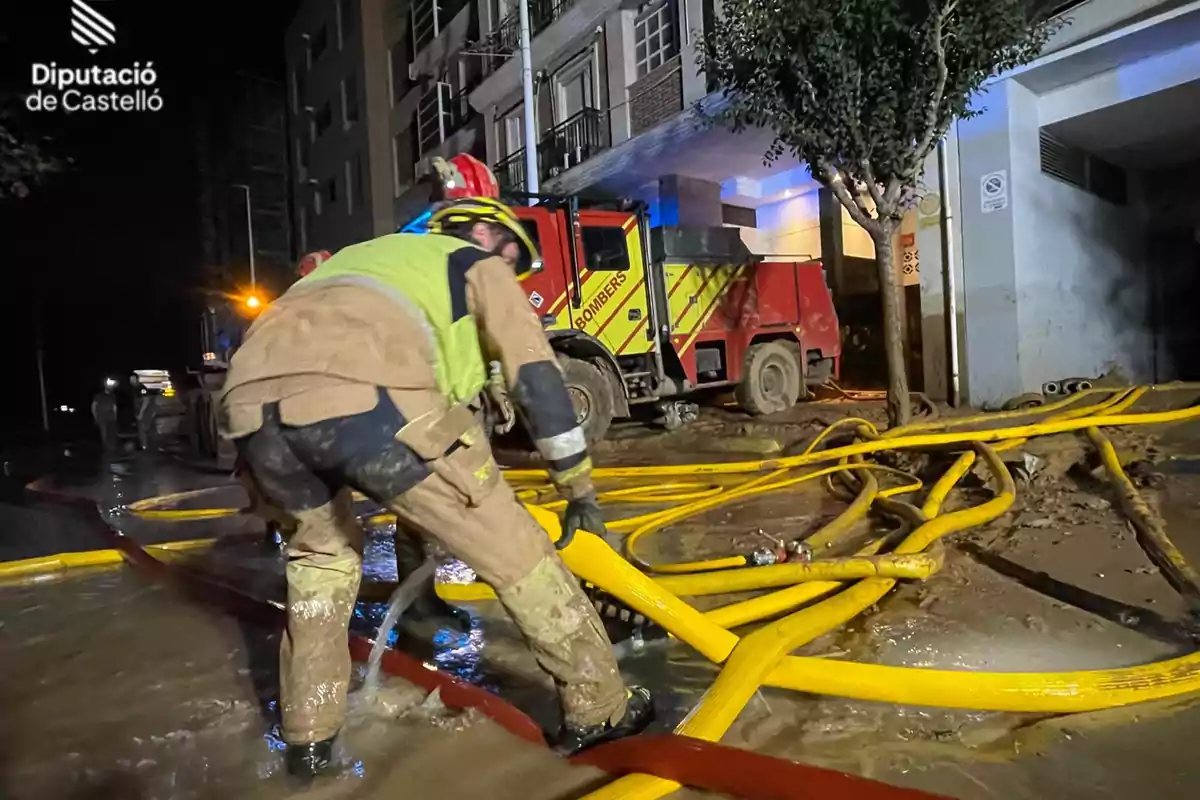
x=761, y=657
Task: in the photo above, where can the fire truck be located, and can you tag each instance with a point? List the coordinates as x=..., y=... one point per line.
x=645, y=316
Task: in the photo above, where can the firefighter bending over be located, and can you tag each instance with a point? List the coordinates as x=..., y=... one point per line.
x=359, y=377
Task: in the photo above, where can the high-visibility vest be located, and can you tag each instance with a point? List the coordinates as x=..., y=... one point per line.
x=426, y=273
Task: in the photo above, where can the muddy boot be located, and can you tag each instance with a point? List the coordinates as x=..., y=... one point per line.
x=306, y=761
x=639, y=713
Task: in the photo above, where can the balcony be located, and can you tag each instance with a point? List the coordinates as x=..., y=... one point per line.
x=440, y=113
x=571, y=142
x=507, y=36
x=510, y=171
x=566, y=145
x=429, y=17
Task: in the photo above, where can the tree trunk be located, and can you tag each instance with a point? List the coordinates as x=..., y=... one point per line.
x=899, y=408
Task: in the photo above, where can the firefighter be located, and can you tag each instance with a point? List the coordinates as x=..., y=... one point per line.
x=359, y=377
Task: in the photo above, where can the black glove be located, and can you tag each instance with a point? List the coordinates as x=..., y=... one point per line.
x=582, y=513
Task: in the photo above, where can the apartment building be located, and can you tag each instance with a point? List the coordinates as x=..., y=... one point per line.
x=376, y=89
x=433, y=69
x=341, y=129
x=611, y=78
x=241, y=158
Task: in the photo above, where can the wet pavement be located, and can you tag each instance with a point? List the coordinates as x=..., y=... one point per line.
x=117, y=688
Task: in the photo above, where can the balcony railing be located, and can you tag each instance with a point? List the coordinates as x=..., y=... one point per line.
x=507, y=35
x=510, y=171
x=566, y=145
x=440, y=113
x=571, y=142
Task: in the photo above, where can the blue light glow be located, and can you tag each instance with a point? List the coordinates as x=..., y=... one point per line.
x=419, y=224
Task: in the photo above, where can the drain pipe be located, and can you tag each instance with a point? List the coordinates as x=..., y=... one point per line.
x=949, y=287
x=531, y=160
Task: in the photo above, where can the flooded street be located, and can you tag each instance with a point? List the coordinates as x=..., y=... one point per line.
x=118, y=687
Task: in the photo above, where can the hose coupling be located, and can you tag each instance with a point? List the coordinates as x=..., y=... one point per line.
x=799, y=551
x=763, y=557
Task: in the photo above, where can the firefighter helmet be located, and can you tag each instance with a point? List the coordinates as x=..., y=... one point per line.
x=311, y=261
x=462, y=176
x=467, y=211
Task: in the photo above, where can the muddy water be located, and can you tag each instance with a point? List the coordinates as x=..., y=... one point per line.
x=117, y=689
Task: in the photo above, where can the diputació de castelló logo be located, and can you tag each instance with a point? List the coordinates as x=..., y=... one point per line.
x=93, y=88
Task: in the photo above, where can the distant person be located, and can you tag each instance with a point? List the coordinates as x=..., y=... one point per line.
x=144, y=412
x=104, y=412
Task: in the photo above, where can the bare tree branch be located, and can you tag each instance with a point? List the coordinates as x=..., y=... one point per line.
x=933, y=113
x=872, y=184
x=829, y=176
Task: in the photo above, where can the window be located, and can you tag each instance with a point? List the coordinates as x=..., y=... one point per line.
x=322, y=119
x=346, y=19
x=329, y=190
x=573, y=84
x=317, y=205
x=531, y=228
x=317, y=46
x=429, y=17
x=298, y=86
x=398, y=66
x=656, y=36
x=350, y=99
x=511, y=130
x=354, y=183
x=605, y=249
x=302, y=155
x=404, y=160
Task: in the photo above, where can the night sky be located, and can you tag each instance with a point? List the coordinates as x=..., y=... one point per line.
x=110, y=249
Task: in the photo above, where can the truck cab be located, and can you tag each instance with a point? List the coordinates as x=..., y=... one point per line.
x=649, y=316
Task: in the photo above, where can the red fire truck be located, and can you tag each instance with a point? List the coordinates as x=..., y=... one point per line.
x=646, y=315
x=651, y=316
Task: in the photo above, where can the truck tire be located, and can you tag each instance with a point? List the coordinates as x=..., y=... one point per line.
x=591, y=395
x=771, y=381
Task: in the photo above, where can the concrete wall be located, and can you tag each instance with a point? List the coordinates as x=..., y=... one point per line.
x=1053, y=284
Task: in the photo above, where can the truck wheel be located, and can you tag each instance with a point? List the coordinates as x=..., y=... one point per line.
x=772, y=379
x=591, y=395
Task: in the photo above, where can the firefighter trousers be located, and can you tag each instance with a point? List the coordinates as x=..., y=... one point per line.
x=435, y=471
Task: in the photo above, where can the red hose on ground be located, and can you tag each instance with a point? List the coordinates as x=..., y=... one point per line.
x=740, y=773
x=704, y=765
x=454, y=692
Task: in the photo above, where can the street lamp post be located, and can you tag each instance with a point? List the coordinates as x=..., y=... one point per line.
x=249, y=233
x=527, y=99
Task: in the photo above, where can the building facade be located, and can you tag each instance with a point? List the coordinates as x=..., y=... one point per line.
x=1054, y=275
x=1076, y=238
x=343, y=128
x=241, y=158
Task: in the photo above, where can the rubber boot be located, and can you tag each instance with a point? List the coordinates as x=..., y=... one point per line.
x=307, y=761
x=639, y=713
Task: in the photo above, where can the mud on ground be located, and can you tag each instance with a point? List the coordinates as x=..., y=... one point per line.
x=121, y=689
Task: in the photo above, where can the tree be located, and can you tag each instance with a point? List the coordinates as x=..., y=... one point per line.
x=862, y=91
x=23, y=159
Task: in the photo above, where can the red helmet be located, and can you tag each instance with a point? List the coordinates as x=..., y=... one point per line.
x=463, y=176
x=311, y=261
